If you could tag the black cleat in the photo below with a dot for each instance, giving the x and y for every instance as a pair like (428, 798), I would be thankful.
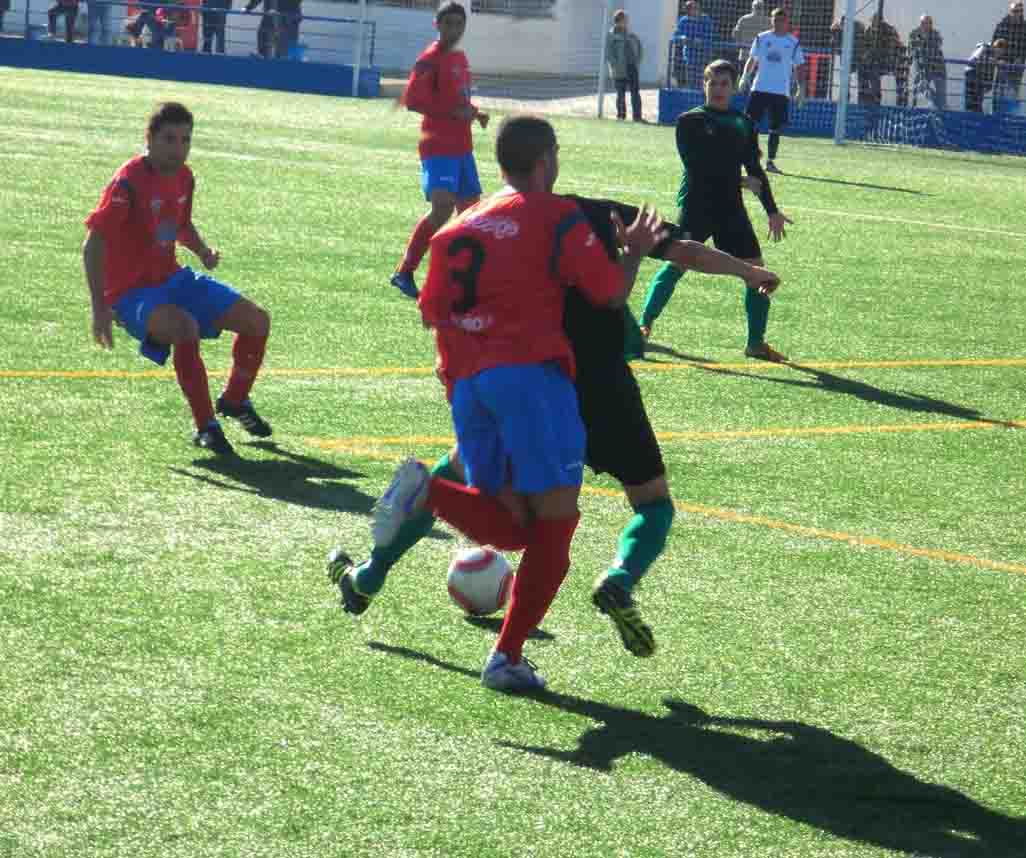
(246, 415)
(341, 573)
(611, 599)
(212, 438)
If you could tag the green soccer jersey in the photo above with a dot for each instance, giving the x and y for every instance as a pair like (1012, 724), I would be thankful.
(713, 146)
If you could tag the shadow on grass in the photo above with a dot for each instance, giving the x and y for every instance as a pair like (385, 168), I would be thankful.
(291, 478)
(866, 185)
(494, 624)
(832, 383)
(786, 768)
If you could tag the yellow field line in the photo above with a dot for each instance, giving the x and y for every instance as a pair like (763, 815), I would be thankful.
(354, 446)
(413, 442)
(642, 366)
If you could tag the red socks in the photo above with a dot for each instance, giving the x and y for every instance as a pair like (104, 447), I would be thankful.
(481, 517)
(543, 567)
(419, 243)
(247, 356)
(192, 379)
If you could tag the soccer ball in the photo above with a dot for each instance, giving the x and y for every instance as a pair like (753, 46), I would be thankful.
(480, 580)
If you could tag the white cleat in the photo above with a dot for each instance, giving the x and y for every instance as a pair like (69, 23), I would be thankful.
(402, 500)
(500, 674)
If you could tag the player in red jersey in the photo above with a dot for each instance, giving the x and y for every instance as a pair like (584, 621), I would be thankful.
(494, 295)
(439, 89)
(135, 280)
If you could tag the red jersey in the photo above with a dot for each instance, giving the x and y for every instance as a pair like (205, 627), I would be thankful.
(439, 85)
(140, 216)
(496, 281)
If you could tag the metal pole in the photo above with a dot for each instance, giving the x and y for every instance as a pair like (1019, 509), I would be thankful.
(602, 61)
(847, 52)
(358, 48)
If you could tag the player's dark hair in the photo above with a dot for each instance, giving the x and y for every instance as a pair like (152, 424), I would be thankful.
(168, 113)
(720, 67)
(450, 8)
(521, 142)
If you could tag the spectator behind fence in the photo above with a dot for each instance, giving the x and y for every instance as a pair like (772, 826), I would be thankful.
(98, 18)
(5, 6)
(987, 66)
(858, 46)
(693, 38)
(926, 49)
(162, 24)
(279, 27)
(267, 31)
(883, 54)
(623, 54)
(748, 27)
(215, 20)
(1012, 28)
(67, 8)
(290, 14)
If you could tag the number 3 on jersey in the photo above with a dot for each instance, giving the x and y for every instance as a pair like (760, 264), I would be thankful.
(467, 277)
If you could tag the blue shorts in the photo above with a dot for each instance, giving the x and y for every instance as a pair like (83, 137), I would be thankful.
(519, 424)
(202, 297)
(457, 175)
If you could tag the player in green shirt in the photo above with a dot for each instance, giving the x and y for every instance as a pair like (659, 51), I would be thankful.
(714, 142)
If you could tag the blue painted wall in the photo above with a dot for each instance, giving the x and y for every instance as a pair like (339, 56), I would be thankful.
(954, 129)
(318, 78)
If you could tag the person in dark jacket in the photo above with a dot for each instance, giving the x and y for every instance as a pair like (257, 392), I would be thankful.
(67, 8)
(5, 6)
(1012, 28)
(926, 48)
(214, 23)
(279, 26)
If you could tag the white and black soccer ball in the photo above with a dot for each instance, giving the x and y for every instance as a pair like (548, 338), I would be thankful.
(480, 581)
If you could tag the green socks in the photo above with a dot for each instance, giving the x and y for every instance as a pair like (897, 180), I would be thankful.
(660, 290)
(757, 307)
(641, 542)
(633, 342)
(370, 575)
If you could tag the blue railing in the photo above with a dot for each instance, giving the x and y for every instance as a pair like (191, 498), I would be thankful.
(271, 35)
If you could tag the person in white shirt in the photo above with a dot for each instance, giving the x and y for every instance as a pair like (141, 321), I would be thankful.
(774, 56)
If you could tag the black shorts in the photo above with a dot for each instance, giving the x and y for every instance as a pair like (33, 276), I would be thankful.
(621, 441)
(778, 106)
(731, 231)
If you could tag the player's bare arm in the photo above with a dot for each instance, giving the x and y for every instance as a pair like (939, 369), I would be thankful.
(93, 254)
(708, 260)
(189, 237)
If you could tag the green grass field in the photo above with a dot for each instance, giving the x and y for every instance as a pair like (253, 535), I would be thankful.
(840, 610)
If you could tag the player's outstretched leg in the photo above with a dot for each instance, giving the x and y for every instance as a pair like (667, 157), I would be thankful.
(359, 583)
(660, 290)
(641, 542)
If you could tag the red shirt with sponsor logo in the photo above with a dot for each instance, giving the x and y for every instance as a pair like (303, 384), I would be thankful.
(140, 216)
(495, 286)
(439, 85)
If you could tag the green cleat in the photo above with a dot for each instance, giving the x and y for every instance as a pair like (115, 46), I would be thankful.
(341, 573)
(611, 599)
